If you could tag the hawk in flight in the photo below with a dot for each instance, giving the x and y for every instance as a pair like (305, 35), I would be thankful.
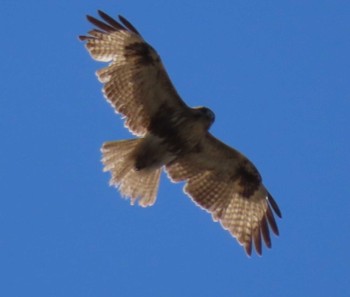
(174, 137)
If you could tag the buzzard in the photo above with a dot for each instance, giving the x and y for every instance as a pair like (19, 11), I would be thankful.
(174, 137)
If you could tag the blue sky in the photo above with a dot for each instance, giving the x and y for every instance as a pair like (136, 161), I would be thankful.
(276, 74)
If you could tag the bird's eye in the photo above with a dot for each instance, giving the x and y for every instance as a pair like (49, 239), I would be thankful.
(208, 113)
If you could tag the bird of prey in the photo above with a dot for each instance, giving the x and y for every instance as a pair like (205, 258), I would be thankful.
(173, 136)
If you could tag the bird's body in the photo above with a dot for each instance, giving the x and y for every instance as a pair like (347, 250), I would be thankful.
(172, 136)
(175, 137)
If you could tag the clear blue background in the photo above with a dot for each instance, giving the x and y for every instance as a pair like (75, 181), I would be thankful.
(277, 75)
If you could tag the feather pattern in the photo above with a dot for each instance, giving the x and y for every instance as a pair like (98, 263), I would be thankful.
(217, 177)
(213, 183)
(141, 185)
(135, 82)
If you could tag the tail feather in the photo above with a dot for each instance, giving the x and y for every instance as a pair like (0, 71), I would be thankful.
(139, 185)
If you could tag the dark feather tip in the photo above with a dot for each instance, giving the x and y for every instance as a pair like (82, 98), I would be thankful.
(271, 220)
(257, 241)
(274, 205)
(265, 232)
(128, 25)
(100, 24)
(83, 37)
(110, 20)
(248, 248)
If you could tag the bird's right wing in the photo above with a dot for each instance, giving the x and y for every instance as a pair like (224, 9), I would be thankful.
(135, 81)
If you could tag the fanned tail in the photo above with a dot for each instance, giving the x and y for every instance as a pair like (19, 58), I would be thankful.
(118, 158)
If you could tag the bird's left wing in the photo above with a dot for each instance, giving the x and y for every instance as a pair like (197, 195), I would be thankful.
(135, 81)
(225, 183)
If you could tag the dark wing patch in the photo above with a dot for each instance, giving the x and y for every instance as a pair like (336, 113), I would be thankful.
(249, 180)
(141, 53)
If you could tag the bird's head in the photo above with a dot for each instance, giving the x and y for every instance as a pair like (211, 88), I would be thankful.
(206, 115)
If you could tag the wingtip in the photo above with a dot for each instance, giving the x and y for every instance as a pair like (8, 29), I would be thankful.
(257, 241)
(128, 25)
(103, 15)
(264, 229)
(121, 18)
(89, 17)
(274, 205)
(271, 220)
(248, 248)
(82, 37)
